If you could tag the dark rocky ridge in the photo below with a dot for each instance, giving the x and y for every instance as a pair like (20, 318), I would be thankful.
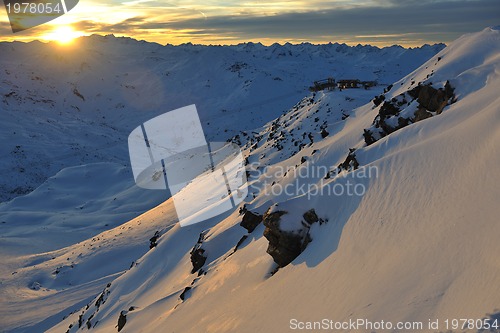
(392, 117)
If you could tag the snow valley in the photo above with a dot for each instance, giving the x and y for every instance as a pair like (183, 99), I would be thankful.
(416, 240)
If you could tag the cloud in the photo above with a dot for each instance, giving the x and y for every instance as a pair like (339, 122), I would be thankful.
(381, 22)
(446, 18)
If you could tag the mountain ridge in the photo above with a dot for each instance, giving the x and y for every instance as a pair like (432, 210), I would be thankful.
(415, 245)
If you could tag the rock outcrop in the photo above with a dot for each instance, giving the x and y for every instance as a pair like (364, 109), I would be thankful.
(153, 240)
(198, 257)
(419, 103)
(250, 221)
(122, 320)
(285, 246)
(350, 163)
(182, 296)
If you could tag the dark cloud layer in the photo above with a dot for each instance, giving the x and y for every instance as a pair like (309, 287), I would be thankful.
(406, 22)
(429, 20)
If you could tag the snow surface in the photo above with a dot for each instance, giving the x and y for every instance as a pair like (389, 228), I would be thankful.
(421, 243)
(67, 106)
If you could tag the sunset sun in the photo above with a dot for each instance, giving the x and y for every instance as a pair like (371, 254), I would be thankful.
(63, 35)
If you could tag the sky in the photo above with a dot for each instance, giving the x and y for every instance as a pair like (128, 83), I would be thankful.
(376, 22)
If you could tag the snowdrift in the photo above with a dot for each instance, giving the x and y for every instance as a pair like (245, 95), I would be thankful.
(417, 241)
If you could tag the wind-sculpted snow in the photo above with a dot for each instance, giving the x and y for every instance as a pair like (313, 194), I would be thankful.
(66, 106)
(402, 230)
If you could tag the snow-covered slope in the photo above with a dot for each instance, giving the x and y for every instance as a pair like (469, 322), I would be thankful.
(419, 242)
(66, 106)
(65, 115)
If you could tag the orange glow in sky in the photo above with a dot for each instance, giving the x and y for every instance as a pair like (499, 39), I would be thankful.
(63, 35)
(231, 22)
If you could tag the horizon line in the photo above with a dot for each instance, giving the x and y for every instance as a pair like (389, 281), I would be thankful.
(262, 43)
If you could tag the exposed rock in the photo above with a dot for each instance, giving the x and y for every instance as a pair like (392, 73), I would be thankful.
(89, 323)
(183, 294)
(324, 133)
(431, 101)
(243, 209)
(122, 320)
(153, 240)
(272, 220)
(311, 137)
(250, 221)
(449, 90)
(378, 100)
(350, 163)
(388, 109)
(368, 135)
(242, 239)
(100, 300)
(422, 114)
(402, 122)
(285, 246)
(197, 259)
(310, 216)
